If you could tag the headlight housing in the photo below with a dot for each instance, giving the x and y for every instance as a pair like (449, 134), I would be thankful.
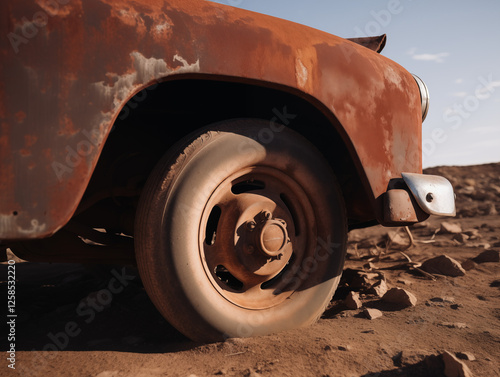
(424, 96)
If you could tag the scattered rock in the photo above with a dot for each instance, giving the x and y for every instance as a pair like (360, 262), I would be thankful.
(443, 265)
(480, 245)
(454, 367)
(461, 237)
(450, 228)
(379, 289)
(404, 282)
(251, 373)
(397, 241)
(400, 296)
(352, 301)
(454, 325)
(440, 301)
(488, 256)
(221, 372)
(345, 348)
(468, 265)
(372, 313)
(466, 356)
(368, 332)
(470, 182)
(473, 234)
(355, 279)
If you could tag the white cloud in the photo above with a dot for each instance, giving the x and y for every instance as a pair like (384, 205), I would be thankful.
(438, 58)
(459, 81)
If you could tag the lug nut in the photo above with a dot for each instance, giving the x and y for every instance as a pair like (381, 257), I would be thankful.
(268, 215)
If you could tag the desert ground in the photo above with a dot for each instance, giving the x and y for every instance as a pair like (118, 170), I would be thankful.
(440, 317)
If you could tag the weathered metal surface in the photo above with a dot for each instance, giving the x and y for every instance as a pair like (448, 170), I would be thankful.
(434, 194)
(401, 209)
(376, 44)
(68, 67)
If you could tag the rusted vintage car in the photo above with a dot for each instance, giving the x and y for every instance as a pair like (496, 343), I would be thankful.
(225, 153)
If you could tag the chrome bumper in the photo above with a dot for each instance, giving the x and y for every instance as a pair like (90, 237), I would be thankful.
(434, 194)
(416, 196)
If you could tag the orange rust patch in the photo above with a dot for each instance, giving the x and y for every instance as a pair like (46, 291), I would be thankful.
(68, 127)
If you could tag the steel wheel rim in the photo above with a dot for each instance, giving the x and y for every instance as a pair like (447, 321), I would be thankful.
(265, 228)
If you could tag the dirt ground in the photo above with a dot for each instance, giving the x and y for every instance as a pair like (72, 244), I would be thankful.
(61, 330)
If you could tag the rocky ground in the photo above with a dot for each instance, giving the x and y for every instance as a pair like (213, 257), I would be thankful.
(423, 302)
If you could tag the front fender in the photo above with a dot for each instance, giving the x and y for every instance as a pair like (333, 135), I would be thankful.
(68, 68)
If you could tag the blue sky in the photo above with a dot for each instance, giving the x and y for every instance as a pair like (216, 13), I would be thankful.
(454, 46)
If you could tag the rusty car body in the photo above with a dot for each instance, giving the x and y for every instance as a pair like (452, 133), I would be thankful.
(93, 93)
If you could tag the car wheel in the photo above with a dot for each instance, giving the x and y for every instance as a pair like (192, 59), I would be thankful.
(241, 231)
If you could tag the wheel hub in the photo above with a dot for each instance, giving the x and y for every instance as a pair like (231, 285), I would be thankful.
(270, 235)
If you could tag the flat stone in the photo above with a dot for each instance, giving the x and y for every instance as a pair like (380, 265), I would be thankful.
(379, 289)
(443, 265)
(488, 256)
(372, 313)
(400, 296)
(454, 325)
(453, 367)
(444, 299)
(450, 228)
(352, 301)
(345, 348)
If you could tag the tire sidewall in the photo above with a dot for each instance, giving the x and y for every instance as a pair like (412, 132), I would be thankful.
(173, 253)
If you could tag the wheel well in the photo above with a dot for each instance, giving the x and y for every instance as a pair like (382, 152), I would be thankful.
(157, 117)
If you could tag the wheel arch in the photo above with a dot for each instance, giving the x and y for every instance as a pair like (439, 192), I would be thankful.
(176, 106)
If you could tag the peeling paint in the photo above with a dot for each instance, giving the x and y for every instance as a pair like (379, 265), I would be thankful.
(146, 71)
(8, 223)
(301, 73)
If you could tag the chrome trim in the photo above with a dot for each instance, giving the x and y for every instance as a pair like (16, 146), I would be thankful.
(424, 96)
(434, 194)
